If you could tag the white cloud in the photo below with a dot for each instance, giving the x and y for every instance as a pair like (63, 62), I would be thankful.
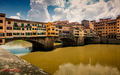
(15, 17)
(73, 10)
(79, 10)
(39, 11)
(18, 15)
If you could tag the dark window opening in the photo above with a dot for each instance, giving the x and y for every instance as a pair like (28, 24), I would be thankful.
(9, 34)
(1, 34)
(9, 28)
(22, 25)
(9, 22)
(15, 25)
(1, 21)
(1, 27)
(0, 40)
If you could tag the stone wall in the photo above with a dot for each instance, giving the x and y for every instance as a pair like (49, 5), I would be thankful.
(13, 65)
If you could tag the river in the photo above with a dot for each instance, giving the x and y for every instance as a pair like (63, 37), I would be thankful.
(94, 59)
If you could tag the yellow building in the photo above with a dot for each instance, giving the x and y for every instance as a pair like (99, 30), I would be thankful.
(15, 28)
(78, 32)
(52, 29)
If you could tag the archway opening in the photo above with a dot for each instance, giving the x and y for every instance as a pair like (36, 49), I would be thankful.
(37, 46)
(67, 42)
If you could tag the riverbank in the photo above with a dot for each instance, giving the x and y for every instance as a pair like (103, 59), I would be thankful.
(13, 65)
(105, 55)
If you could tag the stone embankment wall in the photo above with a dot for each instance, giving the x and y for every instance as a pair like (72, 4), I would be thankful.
(13, 65)
(101, 41)
(110, 41)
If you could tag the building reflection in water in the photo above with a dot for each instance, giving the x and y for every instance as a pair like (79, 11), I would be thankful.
(81, 69)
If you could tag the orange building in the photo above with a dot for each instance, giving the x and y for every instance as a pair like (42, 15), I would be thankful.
(118, 27)
(2, 28)
(107, 28)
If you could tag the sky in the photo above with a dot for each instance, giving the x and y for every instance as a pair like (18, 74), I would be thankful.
(53, 10)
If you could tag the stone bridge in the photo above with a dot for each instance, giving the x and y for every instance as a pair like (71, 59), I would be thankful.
(92, 40)
(47, 43)
(71, 40)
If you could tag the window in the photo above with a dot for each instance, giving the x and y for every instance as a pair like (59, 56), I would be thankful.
(1, 27)
(60, 27)
(14, 34)
(1, 21)
(28, 24)
(18, 28)
(48, 33)
(53, 29)
(15, 25)
(9, 28)
(9, 34)
(22, 25)
(9, 22)
(1, 34)
(15, 28)
(34, 33)
(0, 40)
(18, 33)
(22, 33)
(23, 28)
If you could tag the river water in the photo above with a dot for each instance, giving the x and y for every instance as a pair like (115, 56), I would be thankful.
(94, 59)
(17, 50)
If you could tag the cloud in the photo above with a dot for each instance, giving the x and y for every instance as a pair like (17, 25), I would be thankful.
(73, 10)
(89, 9)
(39, 11)
(18, 15)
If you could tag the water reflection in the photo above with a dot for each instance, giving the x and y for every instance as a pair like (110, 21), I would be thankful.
(20, 51)
(17, 50)
(81, 69)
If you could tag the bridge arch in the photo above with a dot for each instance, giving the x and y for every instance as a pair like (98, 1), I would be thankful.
(38, 43)
(68, 41)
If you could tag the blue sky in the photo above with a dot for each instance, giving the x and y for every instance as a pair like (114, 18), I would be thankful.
(11, 7)
(51, 10)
